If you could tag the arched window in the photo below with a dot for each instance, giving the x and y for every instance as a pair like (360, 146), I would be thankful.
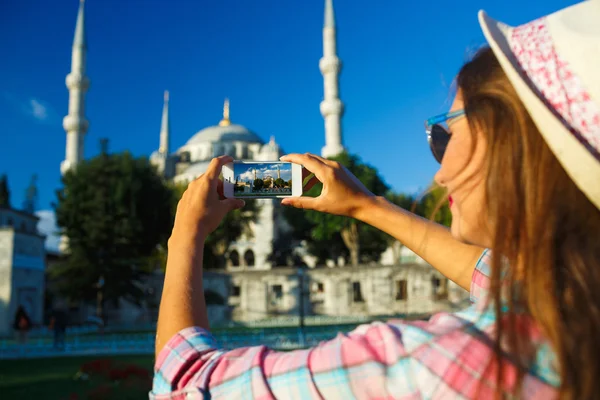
(401, 289)
(230, 150)
(357, 296)
(249, 258)
(234, 258)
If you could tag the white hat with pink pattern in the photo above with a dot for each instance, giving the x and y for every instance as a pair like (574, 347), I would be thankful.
(554, 65)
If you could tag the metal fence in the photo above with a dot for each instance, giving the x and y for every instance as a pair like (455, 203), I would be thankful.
(143, 343)
(272, 322)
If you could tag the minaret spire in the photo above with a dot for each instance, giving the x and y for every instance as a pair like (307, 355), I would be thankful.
(162, 159)
(225, 121)
(330, 65)
(164, 127)
(78, 83)
(329, 15)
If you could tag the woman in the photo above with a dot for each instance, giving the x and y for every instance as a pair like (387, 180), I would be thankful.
(520, 157)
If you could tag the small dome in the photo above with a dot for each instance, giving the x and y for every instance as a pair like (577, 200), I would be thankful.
(225, 133)
(193, 171)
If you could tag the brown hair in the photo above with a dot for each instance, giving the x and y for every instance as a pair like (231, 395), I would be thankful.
(543, 227)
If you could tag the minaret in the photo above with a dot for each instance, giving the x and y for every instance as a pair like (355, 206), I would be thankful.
(278, 173)
(75, 123)
(163, 150)
(332, 108)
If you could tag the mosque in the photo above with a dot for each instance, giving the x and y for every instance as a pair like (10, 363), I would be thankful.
(254, 289)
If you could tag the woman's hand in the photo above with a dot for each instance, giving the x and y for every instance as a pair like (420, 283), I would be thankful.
(342, 194)
(202, 206)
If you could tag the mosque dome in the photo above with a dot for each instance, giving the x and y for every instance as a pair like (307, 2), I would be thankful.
(225, 132)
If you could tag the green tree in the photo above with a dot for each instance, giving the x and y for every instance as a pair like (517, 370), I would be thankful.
(258, 184)
(433, 205)
(4, 192)
(362, 243)
(115, 211)
(280, 183)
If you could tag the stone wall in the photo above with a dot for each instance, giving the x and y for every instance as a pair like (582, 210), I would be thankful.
(6, 254)
(342, 291)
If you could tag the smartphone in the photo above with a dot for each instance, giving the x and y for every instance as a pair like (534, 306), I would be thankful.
(262, 179)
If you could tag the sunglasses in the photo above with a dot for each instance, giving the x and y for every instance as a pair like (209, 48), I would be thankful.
(438, 135)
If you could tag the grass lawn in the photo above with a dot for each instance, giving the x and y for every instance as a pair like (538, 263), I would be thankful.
(52, 378)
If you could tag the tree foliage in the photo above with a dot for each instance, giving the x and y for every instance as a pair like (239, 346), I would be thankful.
(433, 205)
(115, 210)
(258, 184)
(280, 183)
(331, 236)
(4, 192)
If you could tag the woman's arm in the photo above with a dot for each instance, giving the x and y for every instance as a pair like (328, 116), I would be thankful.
(343, 194)
(182, 304)
(431, 241)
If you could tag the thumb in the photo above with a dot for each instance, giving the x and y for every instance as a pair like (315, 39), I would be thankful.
(233, 204)
(308, 203)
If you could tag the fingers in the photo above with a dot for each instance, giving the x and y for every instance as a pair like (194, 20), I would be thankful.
(325, 161)
(307, 203)
(214, 168)
(309, 161)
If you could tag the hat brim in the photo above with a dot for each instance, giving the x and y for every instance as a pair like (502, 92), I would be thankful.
(576, 159)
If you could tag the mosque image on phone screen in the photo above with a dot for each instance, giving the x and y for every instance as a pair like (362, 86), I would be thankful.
(261, 180)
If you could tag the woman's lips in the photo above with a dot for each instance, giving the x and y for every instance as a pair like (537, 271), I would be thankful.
(450, 200)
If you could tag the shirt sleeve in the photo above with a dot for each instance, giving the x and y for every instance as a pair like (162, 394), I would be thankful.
(480, 282)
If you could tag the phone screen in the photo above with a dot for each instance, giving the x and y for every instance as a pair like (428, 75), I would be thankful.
(262, 179)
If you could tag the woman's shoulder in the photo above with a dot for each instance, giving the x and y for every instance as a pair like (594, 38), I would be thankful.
(464, 342)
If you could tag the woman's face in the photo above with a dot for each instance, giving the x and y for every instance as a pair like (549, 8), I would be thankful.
(462, 173)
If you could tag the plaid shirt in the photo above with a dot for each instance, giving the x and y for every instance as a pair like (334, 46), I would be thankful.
(446, 357)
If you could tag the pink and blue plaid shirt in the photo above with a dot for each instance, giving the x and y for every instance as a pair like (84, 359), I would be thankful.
(446, 357)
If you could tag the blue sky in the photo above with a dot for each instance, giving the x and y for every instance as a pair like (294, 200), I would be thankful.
(399, 59)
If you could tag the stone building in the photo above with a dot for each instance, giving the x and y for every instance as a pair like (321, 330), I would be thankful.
(22, 267)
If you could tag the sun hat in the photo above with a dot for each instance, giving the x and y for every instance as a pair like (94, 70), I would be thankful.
(554, 65)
